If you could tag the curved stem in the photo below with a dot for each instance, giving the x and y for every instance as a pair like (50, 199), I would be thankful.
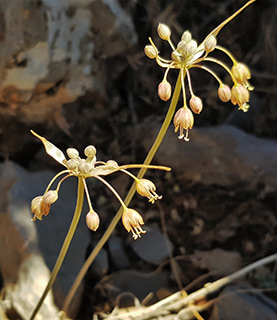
(53, 179)
(67, 241)
(129, 196)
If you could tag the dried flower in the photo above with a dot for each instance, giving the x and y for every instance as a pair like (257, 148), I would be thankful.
(92, 220)
(39, 208)
(183, 120)
(132, 221)
(146, 188)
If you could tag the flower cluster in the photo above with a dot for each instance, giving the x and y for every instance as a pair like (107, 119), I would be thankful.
(91, 168)
(187, 55)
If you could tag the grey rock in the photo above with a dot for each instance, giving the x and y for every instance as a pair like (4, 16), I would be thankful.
(117, 253)
(100, 265)
(138, 283)
(32, 280)
(153, 246)
(243, 305)
(222, 155)
(21, 238)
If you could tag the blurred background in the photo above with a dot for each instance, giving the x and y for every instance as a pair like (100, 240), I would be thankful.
(76, 73)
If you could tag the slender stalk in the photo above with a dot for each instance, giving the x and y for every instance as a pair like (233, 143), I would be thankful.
(67, 241)
(129, 196)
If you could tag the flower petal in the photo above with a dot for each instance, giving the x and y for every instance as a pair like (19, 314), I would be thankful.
(52, 150)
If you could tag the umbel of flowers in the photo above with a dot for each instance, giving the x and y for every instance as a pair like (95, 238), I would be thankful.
(89, 167)
(188, 55)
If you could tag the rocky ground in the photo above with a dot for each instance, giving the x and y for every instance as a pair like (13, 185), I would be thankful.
(218, 211)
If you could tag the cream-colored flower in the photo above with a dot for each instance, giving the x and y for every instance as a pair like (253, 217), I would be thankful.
(132, 221)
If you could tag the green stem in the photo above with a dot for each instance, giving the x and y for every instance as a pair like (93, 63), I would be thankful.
(129, 196)
(67, 241)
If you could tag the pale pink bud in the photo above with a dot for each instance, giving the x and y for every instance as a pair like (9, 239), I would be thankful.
(224, 93)
(164, 90)
(92, 220)
(50, 196)
(196, 104)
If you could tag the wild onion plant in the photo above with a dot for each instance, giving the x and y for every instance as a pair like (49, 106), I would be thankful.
(184, 57)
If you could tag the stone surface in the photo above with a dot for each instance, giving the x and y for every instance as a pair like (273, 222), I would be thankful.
(153, 246)
(217, 260)
(222, 155)
(21, 238)
(32, 280)
(47, 58)
(243, 305)
(117, 253)
(138, 283)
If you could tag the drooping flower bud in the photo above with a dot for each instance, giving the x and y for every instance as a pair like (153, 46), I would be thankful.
(186, 36)
(196, 104)
(92, 220)
(210, 43)
(241, 72)
(164, 90)
(50, 196)
(163, 31)
(150, 51)
(239, 95)
(224, 93)
(72, 153)
(183, 120)
(132, 221)
(146, 188)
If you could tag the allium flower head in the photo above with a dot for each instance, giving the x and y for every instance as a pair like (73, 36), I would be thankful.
(89, 167)
(188, 54)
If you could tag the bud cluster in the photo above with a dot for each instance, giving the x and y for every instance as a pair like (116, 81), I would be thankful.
(187, 55)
